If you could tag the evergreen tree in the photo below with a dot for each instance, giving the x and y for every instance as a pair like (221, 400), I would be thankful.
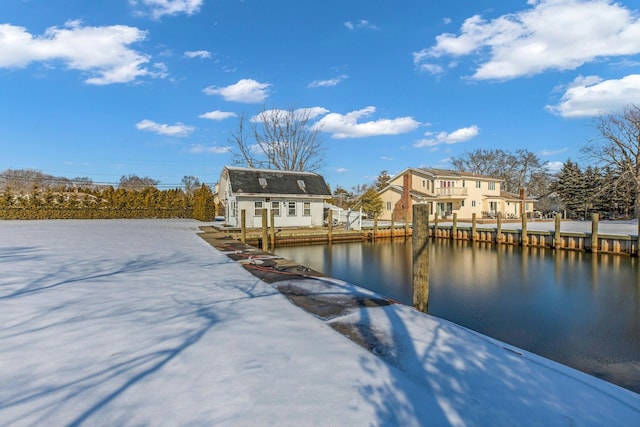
(203, 204)
(570, 187)
(382, 180)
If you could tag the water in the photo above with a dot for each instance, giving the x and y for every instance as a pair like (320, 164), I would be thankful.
(579, 309)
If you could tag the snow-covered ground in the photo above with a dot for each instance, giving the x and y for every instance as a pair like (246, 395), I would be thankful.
(127, 322)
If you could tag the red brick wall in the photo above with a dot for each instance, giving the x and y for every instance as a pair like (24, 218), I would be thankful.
(402, 211)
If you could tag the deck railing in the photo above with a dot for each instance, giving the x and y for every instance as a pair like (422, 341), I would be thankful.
(451, 191)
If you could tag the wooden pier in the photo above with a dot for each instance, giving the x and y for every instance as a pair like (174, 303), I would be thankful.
(495, 233)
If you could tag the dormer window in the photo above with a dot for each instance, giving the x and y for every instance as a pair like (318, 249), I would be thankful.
(263, 182)
(301, 184)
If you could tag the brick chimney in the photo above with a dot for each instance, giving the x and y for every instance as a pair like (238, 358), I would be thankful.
(403, 210)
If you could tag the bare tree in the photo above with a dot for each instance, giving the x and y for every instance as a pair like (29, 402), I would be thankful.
(22, 179)
(618, 147)
(515, 169)
(278, 139)
(190, 184)
(134, 182)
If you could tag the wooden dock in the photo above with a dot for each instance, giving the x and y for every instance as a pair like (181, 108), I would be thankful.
(492, 233)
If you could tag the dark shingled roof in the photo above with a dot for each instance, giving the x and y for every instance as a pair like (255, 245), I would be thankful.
(244, 180)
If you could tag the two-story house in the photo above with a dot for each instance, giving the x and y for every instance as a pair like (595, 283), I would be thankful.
(449, 191)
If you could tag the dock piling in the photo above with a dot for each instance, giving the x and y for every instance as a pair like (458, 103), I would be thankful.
(273, 228)
(243, 226)
(420, 255)
(594, 232)
(454, 227)
(265, 231)
(473, 227)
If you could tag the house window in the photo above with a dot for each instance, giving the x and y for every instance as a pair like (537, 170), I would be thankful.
(473, 203)
(462, 204)
(257, 208)
(388, 206)
(233, 209)
(492, 186)
(275, 208)
(464, 183)
(424, 183)
(306, 209)
(477, 184)
(291, 208)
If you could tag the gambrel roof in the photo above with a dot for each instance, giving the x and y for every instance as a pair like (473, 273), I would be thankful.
(275, 182)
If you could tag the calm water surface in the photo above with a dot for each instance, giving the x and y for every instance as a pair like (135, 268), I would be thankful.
(576, 308)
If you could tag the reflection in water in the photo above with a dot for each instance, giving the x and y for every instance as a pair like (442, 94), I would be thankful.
(579, 309)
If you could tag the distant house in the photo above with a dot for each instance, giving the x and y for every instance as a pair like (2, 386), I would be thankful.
(295, 198)
(449, 192)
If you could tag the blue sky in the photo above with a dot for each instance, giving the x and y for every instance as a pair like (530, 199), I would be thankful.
(106, 88)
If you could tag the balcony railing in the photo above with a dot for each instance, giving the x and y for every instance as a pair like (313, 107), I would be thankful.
(451, 191)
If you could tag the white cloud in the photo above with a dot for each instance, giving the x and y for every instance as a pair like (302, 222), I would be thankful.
(328, 83)
(217, 115)
(554, 167)
(546, 153)
(347, 126)
(342, 170)
(362, 24)
(197, 54)
(591, 96)
(102, 52)
(245, 90)
(309, 113)
(551, 34)
(386, 158)
(159, 8)
(215, 149)
(178, 129)
(460, 135)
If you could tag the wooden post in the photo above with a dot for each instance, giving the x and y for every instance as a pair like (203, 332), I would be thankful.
(524, 240)
(392, 226)
(273, 228)
(330, 225)
(594, 232)
(454, 227)
(638, 239)
(473, 227)
(265, 231)
(406, 227)
(557, 239)
(375, 227)
(499, 228)
(243, 226)
(420, 255)
(435, 226)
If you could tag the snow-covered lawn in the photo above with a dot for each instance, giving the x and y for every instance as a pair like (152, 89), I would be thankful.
(125, 322)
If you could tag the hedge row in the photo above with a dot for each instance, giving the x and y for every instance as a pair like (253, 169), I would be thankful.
(92, 213)
(109, 204)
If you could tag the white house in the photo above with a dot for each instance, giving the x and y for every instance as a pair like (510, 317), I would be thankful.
(295, 198)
